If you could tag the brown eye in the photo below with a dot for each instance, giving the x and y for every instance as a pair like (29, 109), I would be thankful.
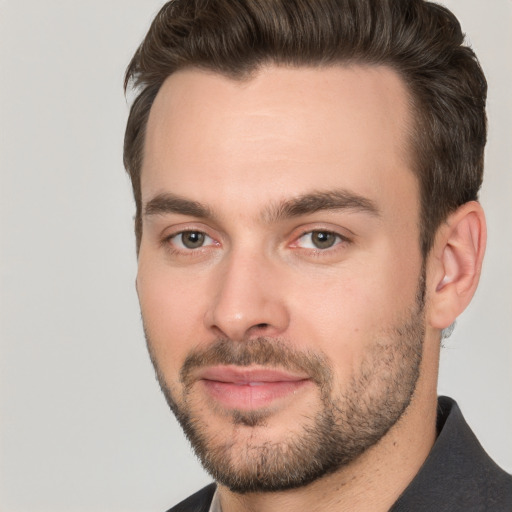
(192, 239)
(323, 239)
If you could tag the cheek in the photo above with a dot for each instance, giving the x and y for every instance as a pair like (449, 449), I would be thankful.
(173, 315)
(347, 311)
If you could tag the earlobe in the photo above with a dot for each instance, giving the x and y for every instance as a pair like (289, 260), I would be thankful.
(456, 263)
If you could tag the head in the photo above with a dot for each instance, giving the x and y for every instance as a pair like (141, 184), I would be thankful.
(304, 176)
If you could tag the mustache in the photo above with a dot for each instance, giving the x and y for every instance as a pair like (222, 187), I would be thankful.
(264, 351)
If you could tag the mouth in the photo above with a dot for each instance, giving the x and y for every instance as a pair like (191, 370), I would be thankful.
(250, 388)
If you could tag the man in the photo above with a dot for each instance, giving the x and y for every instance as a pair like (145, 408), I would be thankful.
(306, 178)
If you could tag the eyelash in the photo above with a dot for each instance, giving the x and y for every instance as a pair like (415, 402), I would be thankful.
(340, 240)
(168, 244)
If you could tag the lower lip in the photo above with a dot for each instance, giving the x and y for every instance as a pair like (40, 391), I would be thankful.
(250, 397)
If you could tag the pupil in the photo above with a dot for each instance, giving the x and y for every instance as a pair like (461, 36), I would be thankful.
(323, 239)
(193, 239)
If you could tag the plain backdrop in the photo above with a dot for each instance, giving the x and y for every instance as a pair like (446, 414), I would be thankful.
(83, 426)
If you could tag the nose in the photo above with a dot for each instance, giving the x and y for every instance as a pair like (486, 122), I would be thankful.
(249, 299)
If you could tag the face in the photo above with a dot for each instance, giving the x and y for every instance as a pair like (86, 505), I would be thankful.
(280, 276)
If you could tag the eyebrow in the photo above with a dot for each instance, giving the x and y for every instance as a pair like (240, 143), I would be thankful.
(295, 207)
(319, 201)
(171, 203)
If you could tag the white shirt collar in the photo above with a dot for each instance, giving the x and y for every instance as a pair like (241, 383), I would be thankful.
(215, 504)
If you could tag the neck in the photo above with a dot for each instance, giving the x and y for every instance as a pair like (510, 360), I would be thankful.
(374, 481)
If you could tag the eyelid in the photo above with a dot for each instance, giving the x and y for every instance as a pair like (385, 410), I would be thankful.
(170, 235)
(182, 247)
(339, 239)
(344, 235)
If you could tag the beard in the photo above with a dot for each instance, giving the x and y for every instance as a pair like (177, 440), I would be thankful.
(344, 426)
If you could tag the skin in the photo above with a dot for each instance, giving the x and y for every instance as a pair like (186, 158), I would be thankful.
(241, 150)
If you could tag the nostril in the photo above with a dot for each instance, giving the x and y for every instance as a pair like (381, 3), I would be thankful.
(261, 326)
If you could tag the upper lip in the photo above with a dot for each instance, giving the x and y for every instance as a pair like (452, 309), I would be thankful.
(245, 375)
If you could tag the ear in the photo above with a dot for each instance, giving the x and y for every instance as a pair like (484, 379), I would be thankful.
(455, 264)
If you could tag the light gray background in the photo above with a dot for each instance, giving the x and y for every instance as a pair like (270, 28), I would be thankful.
(83, 424)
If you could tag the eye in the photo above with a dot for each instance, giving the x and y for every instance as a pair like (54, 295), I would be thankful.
(319, 240)
(191, 240)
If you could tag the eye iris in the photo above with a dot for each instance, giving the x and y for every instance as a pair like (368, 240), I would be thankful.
(323, 239)
(192, 239)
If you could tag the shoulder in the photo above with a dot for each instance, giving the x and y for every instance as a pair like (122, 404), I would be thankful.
(198, 502)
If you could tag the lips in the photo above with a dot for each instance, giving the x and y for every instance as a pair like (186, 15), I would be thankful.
(249, 388)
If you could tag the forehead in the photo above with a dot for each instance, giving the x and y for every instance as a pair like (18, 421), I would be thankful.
(284, 131)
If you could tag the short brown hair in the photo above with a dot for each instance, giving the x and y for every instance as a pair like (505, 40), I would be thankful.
(422, 41)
